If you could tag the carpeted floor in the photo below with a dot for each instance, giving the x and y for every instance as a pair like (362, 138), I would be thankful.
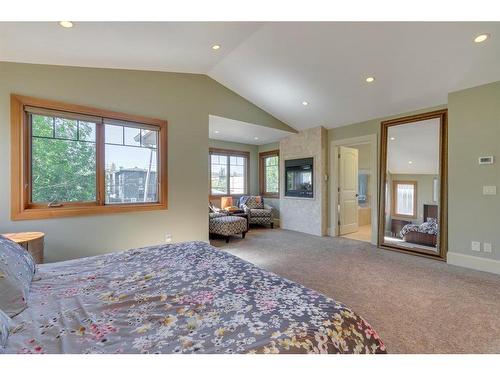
(417, 305)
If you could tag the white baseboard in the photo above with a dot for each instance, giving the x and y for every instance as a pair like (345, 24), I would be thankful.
(476, 263)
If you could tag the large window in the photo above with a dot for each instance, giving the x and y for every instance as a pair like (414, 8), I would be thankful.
(269, 173)
(228, 172)
(71, 160)
(404, 199)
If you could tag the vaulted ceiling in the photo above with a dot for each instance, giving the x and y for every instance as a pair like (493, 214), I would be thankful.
(280, 65)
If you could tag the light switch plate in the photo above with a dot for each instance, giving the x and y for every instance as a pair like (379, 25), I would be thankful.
(489, 190)
(475, 246)
(487, 247)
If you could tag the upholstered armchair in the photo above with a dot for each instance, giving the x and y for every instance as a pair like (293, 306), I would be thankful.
(258, 212)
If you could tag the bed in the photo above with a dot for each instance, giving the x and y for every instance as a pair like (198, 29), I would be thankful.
(425, 233)
(180, 298)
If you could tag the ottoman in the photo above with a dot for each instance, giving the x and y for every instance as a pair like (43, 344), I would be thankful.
(227, 226)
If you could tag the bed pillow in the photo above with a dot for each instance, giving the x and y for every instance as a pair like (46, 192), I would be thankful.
(16, 273)
(5, 323)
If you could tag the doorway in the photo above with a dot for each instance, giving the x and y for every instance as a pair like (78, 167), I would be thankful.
(354, 188)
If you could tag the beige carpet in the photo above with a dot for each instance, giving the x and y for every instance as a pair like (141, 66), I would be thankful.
(417, 305)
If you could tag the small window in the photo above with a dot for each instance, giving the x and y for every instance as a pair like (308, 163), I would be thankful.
(228, 172)
(269, 173)
(405, 199)
(77, 160)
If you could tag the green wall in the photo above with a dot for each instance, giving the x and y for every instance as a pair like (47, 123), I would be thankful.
(474, 131)
(185, 100)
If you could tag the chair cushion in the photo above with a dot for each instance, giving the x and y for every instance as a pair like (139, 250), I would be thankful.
(228, 225)
(213, 215)
(254, 202)
(261, 212)
(16, 273)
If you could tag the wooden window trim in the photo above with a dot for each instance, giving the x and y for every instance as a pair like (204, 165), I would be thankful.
(262, 169)
(395, 184)
(227, 152)
(20, 156)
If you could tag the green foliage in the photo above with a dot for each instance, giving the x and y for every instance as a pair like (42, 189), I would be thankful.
(272, 174)
(63, 169)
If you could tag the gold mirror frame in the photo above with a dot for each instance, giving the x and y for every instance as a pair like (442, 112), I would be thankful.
(443, 175)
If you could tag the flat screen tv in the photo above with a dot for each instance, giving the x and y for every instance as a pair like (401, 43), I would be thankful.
(299, 178)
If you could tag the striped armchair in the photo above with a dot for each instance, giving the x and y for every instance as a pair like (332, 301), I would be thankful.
(258, 212)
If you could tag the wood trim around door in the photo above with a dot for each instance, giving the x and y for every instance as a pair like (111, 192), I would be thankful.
(443, 174)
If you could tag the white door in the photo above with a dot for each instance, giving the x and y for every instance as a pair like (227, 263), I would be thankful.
(348, 190)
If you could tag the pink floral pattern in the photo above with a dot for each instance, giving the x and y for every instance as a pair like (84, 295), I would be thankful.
(181, 298)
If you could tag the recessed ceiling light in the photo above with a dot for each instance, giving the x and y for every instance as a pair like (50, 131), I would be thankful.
(410, 162)
(305, 103)
(370, 79)
(216, 132)
(393, 139)
(66, 24)
(256, 138)
(481, 38)
(215, 47)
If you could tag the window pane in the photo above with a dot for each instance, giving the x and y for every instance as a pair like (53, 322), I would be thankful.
(131, 174)
(271, 160)
(66, 129)
(404, 199)
(132, 136)
(114, 134)
(62, 170)
(237, 179)
(218, 174)
(271, 177)
(149, 138)
(42, 126)
(86, 131)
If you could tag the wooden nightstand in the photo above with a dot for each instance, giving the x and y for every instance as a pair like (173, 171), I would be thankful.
(31, 241)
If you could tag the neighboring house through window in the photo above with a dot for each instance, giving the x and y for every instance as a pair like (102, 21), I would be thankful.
(269, 173)
(405, 199)
(79, 160)
(228, 172)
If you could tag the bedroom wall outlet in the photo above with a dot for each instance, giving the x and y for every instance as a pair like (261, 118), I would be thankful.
(168, 238)
(489, 190)
(487, 247)
(475, 246)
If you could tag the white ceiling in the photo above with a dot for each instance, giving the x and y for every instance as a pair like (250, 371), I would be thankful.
(417, 142)
(161, 46)
(225, 129)
(277, 65)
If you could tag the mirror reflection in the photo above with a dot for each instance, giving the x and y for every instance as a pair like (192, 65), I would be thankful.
(412, 186)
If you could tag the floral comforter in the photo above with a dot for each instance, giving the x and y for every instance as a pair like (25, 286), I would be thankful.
(182, 298)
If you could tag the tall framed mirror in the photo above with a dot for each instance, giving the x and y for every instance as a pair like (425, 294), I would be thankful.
(413, 185)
